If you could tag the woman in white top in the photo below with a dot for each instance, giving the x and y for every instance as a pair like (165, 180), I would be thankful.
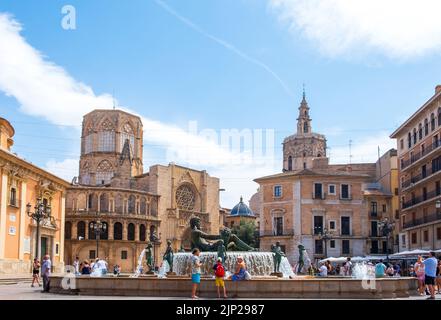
(421, 274)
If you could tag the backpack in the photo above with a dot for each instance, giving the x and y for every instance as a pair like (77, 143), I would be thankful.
(220, 271)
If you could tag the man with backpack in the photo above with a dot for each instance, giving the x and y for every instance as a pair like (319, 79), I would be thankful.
(219, 272)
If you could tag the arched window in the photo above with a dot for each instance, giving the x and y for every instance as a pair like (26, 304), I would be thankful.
(106, 137)
(153, 235)
(81, 230)
(289, 163)
(117, 231)
(105, 234)
(414, 136)
(88, 141)
(432, 122)
(409, 140)
(104, 203)
(68, 230)
(143, 209)
(439, 117)
(426, 127)
(85, 174)
(131, 232)
(104, 172)
(92, 235)
(420, 131)
(92, 202)
(142, 233)
(305, 127)
(119, 204)
(127, 133)
(132, 204)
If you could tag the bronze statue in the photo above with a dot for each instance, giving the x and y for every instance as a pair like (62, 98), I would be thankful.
(226, 238)
(149, 258)
(277, 257)
(168, 255)
(301, 263)
(222, 252)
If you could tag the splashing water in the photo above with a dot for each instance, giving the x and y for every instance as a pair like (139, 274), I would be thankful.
(258, 263)
(165, 267)
(138, 270)
(363, 270)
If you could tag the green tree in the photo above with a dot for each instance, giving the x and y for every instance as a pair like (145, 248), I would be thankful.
(246, 231)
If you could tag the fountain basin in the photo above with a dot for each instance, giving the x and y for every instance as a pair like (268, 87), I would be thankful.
(266, 287)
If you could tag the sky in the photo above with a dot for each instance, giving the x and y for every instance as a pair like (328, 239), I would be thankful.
(197, 70)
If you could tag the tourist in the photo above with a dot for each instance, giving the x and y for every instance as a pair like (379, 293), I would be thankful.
(380, 269)
(431, 265)
(241, 270)
(323, 270)
(420, 271)
(330, 267)
(116, 270)
(390, 270)
(438, 276)
(348, 267)
(36, 272)
(397, 270)
(86, 269)
(46, 272)
(337, 270)
(195, 272)
(411, 271)
(76, 265)
(219, 272)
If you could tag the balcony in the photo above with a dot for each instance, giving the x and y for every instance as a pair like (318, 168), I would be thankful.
(414, 180)
(285, 233)
(427, 219)
(420, 155)
(317, 196)
(420, 199)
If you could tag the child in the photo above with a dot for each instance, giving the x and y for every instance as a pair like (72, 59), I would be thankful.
(195, 272)
(219, 272)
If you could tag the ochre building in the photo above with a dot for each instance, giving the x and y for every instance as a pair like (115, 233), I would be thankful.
(23, 183)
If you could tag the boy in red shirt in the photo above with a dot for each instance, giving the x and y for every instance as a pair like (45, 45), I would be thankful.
(219, 272)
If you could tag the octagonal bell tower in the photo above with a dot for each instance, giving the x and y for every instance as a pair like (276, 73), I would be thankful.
(300, 149)
(111, 146)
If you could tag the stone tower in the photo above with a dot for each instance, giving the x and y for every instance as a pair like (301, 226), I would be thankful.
(300, 149)
(111, 146)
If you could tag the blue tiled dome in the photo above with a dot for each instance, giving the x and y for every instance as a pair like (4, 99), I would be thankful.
(241, 209)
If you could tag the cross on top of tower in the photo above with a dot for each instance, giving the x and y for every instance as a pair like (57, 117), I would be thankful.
(304, 121)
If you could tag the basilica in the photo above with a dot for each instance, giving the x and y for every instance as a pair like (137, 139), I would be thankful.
(114, 208)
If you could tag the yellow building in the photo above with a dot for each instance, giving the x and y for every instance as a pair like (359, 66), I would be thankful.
(23, 183)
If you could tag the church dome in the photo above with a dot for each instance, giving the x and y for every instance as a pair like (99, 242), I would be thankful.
(241, 209)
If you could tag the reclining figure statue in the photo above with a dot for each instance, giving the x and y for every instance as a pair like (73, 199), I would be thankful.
(227, 238)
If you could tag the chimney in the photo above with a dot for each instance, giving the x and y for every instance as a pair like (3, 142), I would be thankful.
(438, 89)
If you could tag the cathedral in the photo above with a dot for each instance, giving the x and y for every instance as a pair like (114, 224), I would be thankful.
(131, 207)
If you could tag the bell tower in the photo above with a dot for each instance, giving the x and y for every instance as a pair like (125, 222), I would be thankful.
(300, 149)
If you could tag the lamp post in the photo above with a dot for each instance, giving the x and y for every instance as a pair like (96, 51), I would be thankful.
(98, 228)
(386, 230)
(325, 235)
(41, 212)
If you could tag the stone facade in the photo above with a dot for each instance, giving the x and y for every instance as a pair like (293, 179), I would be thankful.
(136, 207)
(23, 183)
(419, 154)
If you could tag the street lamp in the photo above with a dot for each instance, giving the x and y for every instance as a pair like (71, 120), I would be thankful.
(98, 228)
(325, 235)
(41, 212)
(386, 228)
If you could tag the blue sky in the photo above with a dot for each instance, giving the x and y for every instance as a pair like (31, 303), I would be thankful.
(359, 88)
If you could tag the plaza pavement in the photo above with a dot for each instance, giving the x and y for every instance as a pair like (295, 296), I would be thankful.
(24, 291)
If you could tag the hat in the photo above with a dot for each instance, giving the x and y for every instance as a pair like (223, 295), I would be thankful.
(219, 259)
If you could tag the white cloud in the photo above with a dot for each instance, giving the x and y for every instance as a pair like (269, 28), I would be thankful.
(65, 169)
(399, 29)
(46, 90)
